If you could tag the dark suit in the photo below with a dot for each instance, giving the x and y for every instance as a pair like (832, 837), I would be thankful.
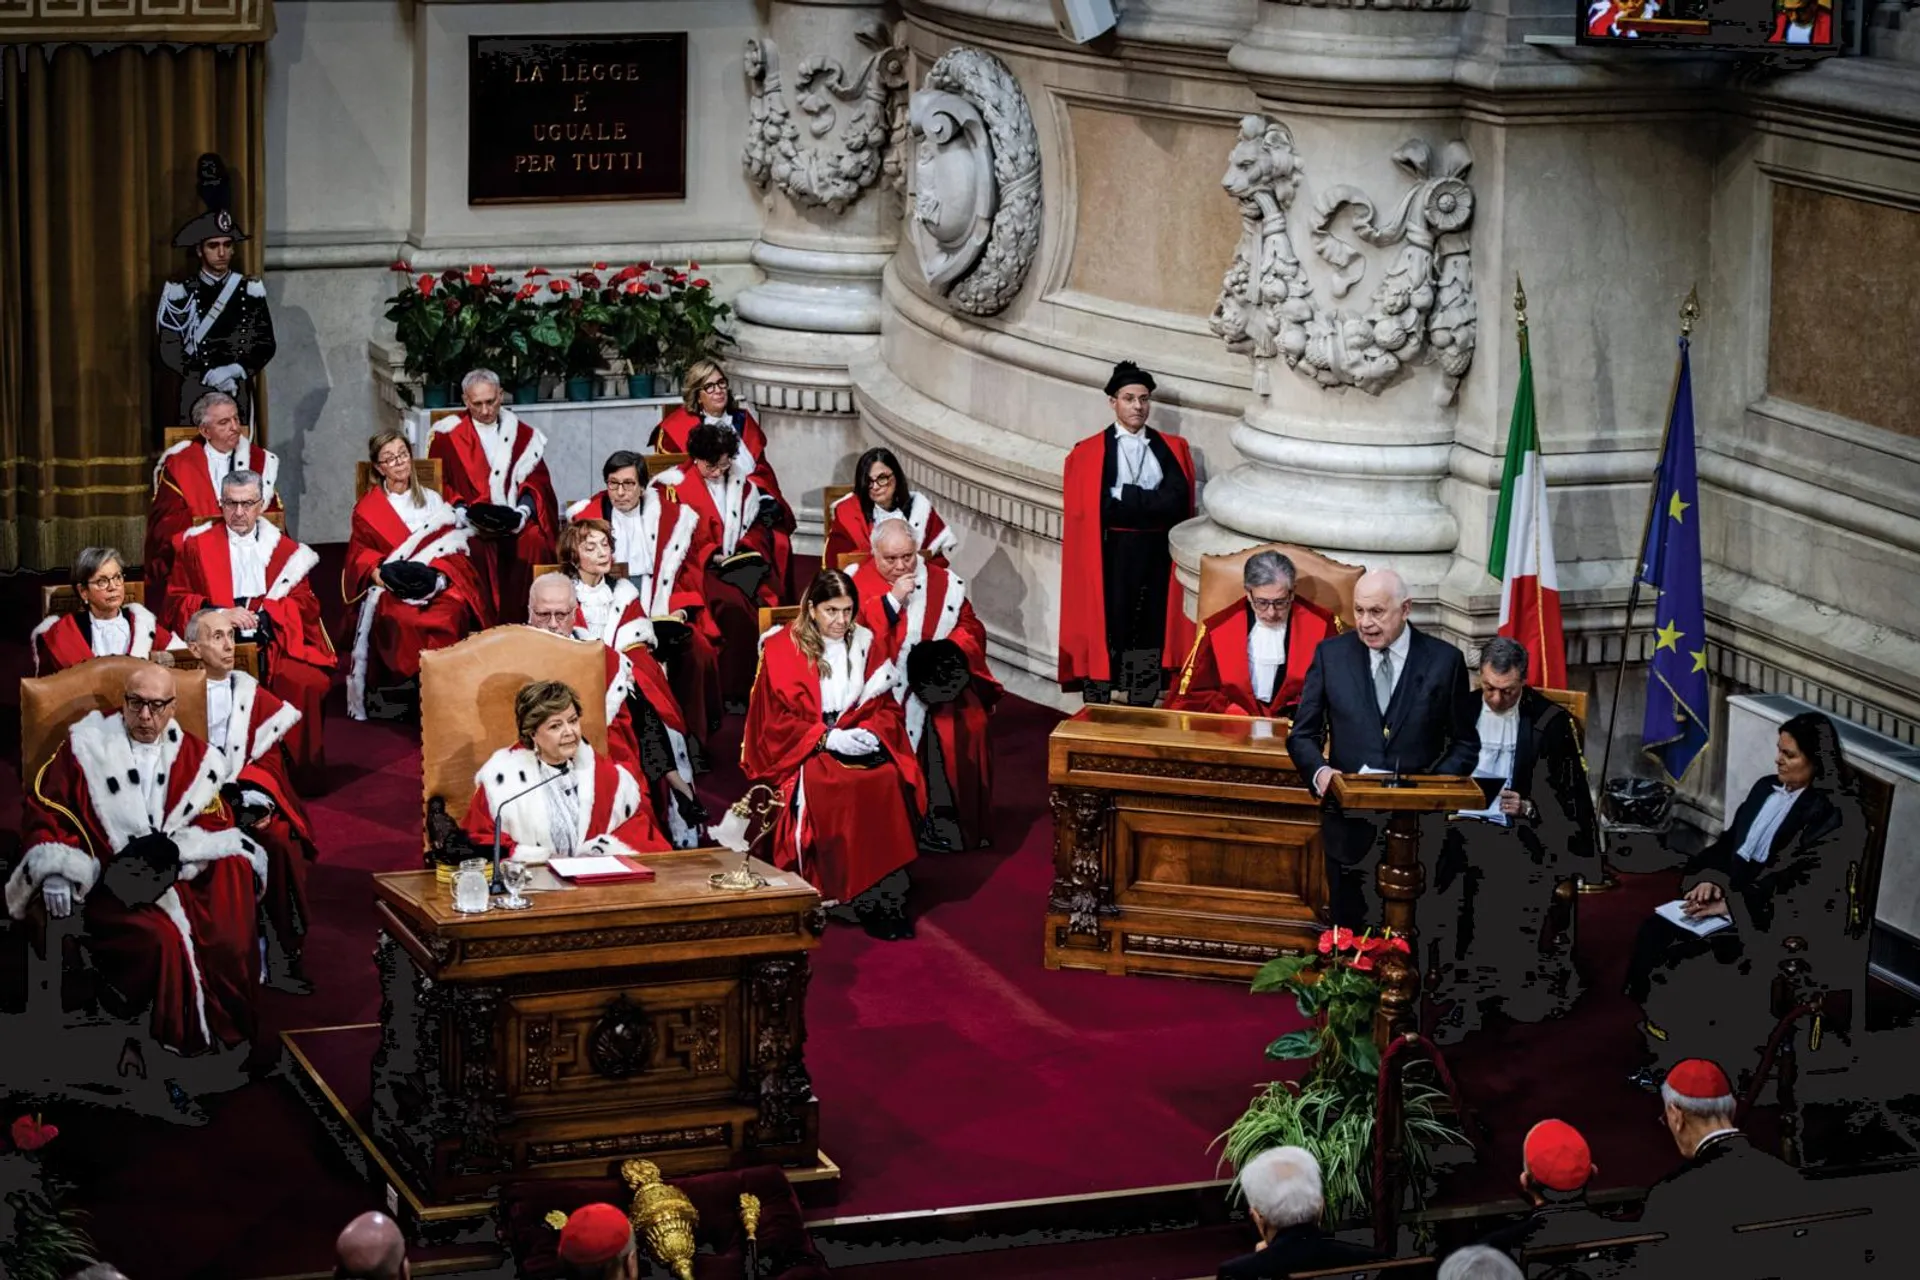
(1429, 727)
(1302, 1248)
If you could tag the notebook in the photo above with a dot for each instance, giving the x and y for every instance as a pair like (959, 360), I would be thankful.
(1698, 927)
(601, 869)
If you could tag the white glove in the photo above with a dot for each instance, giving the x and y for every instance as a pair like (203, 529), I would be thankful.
(525, 508)
(852, 742)
(225, 378)
(256, 799)
(57, 892)
(460, 517)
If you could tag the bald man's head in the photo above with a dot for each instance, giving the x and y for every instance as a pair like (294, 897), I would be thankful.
(371, 1248)
(148, 702)
(1381, 604)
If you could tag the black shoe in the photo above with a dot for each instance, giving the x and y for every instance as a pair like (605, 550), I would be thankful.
(1646, 1078)
(887, 928)
(290, 976)
(939, 834)
(1097, 691)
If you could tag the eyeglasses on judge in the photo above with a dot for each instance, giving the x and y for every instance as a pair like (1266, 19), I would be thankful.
(140, 706)
(1278, 604)
(239, 504)
(880, 479)
(713, 384)
(106, 581)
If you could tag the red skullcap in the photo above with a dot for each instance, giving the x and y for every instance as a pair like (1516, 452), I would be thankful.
(594, 1233)
(1700, 1080)
(1557, 1156)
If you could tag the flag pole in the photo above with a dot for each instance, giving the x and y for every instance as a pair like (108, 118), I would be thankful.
(1689, 313)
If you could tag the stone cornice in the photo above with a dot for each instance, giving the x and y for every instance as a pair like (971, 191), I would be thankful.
(136, 21)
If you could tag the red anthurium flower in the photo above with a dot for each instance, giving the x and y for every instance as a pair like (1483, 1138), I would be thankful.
(30, 1133)
(633, 286)
(450, 276)
(643, 266)
(476, 276)
(599, 266)
(527, 291)
(402, 266)
(590, 280)
(700, 284)
(1397, 944)
(538, 271)
(487, 267)
(424, 284)
(1363, 963)
(693, 266)
(558, 286)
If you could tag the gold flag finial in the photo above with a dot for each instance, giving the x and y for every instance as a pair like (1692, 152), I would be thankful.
(1689, 311)
(1519, 300)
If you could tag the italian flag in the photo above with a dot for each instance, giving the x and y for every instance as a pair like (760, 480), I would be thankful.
(1521, 555)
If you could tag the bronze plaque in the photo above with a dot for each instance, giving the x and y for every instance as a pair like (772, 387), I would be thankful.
(576, 118)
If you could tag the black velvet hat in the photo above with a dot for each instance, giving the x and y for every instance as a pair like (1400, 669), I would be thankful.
(1128, 374)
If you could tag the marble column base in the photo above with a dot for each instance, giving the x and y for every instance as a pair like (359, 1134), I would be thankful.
(798, 387)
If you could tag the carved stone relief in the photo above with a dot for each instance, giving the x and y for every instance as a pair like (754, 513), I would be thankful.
(975, 221)
(1422, 311)
(816, 169)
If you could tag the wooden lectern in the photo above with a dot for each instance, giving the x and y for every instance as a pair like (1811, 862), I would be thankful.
(1399, 876)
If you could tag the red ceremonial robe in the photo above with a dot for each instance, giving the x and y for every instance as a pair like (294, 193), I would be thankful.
(1083, 610)
(184, 495)
(66, 639)
(938, 609)
(845, 829)
(252, 757)
(397, 631)
(613, 816)
(671, 437)
(628, 633)
(300, 657)
(849, 530)
(505, 564)
(684, 569)
(657, 565)
(1217, 676)
(192, 956)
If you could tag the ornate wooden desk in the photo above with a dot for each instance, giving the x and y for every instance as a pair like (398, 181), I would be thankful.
(1184, 844)
(664, 1020)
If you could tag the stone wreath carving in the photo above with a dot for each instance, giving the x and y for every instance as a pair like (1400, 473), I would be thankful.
(975, 220)
(830, 175)
(1422, 311)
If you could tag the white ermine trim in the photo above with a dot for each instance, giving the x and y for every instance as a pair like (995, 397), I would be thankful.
(169, 903)
(49, 859)
(47, 624)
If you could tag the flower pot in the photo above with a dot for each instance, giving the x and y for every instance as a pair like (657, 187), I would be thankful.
(527, 392)
(663, 384)
(639, 386)
(434, 395)
(580, 388)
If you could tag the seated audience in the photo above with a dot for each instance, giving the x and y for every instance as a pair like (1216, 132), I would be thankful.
(708, 399)
(127, 823)
(593, 806)
(619, 503)
(597, 1244)
(880, 490)
(245, 726)
(1282, 1186)
(722, 558)
(1479, 1262)
(1556, 1167)
(106, 625)
(921, 617)
(409, 570)
(494, 467)
(1251, 658)
(1504, 887)
(826, 734)
(259, 575)
(371, 1247)
(186, 484)
(1781, 873)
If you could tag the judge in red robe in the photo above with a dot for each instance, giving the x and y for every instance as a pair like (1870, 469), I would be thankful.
(249, 567)
(589, 805)
(105, 625)
(825, 734)
(621, 504)
(134, 785)
(917, 608)
(393, 618)
(552, 607)
(709, 399)
(186, 484)
(494, 465)
(246, 726)
(1251, 658)
(880, 489)
(1802, 22)
(698, 561)
(1122, 616)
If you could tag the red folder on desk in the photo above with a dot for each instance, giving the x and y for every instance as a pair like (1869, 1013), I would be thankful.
(602, 869)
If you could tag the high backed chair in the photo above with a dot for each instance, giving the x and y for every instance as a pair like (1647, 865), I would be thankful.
(50, 705)
(426, 469)
(174, 435)
(278, 519)
(466, 702)
(848, 559)
(619, 569)
(246, 657)
(65, 599)
(1318, 580)
(1575, 702)
(436, 416)
(658, 462)
(830, 494)
(778, 615)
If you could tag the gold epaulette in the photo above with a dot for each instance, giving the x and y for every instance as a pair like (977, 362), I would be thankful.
(1186, 669)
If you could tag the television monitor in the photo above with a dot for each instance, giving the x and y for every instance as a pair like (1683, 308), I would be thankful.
(1768, 26)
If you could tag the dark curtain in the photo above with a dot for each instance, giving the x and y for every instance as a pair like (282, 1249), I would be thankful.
(98, 146)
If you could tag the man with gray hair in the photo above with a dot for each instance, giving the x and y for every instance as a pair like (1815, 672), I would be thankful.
(1284, 1199)
(493, 467)
(1251, 658)
(1392, 699)
(186, 483)
(106, 625)
(1479, 1262)
(259, 576)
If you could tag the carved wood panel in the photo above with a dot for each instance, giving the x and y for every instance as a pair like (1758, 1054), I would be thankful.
(680, 1034)
(1216, 862)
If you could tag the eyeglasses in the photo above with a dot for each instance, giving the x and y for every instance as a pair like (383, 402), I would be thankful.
(880, 479)
(389, 459)
(714, 384)
(622, 485)
(107, 581)
(147, 706)
(239, 504)
(552, 615)
(1279, 604)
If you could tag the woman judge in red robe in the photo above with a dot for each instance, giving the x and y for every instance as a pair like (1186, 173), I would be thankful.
(409, 573)
(826, 735)
(879, 490)
(707, 397)
(589, 805)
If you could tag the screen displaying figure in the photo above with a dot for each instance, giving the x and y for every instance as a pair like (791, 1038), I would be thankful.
(1782, 26)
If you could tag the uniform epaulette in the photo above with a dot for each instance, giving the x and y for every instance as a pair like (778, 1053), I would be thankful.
(175, 291)
(256, 288)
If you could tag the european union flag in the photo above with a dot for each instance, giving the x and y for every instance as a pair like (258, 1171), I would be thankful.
(1677, 714)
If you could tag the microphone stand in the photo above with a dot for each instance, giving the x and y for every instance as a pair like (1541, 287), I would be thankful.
(498, 885)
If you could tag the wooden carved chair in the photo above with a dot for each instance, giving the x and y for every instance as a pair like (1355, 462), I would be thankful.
(1575, 702)
(778, 615)
(426, 470)
(619, 569)
(466, 705)
(246, 657)
(829, 495)
(65, 599)
(278, 519)
(848, 559)
(658, 462)
(174, 435)
(1318, 580)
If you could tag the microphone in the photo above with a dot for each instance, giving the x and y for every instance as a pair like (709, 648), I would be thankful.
(499, 886)
(1396, 781)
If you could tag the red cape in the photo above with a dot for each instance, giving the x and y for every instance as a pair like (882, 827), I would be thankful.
(615, 813)
(505, 564)
(58, 643)
(1217, 678)
(849, 530)
(183, 495)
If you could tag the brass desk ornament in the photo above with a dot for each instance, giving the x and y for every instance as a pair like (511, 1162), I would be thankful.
(751, 813)
(750, 1223)
(662, 1216)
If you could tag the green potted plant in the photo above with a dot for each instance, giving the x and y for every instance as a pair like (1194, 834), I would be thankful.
(634, 325)
(1331, 1109)
(447, 324)
(693, 323)
(552, 324)
(40, 1239)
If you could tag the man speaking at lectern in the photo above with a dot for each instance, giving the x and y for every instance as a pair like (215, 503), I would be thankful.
(1382, 698)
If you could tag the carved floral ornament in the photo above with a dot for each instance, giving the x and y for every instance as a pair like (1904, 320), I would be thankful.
(829, 173)
(975, 221)
(1422, 311)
